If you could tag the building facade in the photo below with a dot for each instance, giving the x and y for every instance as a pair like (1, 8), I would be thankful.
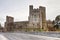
(9, 24)
(36, 19)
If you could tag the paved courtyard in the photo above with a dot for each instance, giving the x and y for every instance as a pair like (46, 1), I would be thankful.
(26, 36)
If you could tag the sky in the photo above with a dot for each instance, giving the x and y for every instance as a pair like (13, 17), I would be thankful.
(19, 9)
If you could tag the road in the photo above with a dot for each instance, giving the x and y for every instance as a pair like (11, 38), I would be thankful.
(24, 36)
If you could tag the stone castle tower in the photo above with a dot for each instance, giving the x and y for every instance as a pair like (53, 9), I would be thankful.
(37, 17)
(9, 24)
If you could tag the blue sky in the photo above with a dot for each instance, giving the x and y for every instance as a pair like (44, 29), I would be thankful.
(19, 9)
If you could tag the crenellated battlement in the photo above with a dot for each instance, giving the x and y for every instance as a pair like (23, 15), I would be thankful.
(37, 16)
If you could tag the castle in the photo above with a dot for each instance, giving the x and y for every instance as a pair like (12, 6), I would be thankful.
(36, 19)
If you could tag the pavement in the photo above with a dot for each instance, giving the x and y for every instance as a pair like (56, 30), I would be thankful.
(25, 36)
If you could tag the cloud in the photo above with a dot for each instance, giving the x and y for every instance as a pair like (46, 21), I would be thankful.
(19, 9)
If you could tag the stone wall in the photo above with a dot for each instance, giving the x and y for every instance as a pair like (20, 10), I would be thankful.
(9, 24)
(37, 17)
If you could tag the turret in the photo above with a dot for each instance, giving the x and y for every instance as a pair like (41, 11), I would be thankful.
(30, 9)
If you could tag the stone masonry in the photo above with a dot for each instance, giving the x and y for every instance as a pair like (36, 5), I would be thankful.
(36, 19)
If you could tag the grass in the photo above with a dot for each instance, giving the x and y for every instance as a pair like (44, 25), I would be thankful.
(30, 29)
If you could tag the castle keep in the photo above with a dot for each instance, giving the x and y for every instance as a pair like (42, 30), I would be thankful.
(36, 19)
